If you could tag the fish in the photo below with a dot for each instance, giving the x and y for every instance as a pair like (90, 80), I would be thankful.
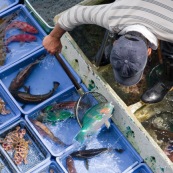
(26, 97)
(58, 115)
(63, 105)
(24, 26)
(21, 77)
(70, 165)
(90, 153)
(20, 38)
(93, 120)
(43, 130)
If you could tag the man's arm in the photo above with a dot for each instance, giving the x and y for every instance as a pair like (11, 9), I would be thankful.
(77, 15)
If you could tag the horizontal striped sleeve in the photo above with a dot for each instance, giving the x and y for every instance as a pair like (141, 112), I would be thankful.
(78, 15)
(155, 15)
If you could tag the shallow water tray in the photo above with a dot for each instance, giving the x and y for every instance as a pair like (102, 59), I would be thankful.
(40, 80)
(14, 113)
(6, 4)
(18, 50)
(37, 155)
(64, 130)
(141, 168)
(51, 165)
(109, 161)
(46, 14)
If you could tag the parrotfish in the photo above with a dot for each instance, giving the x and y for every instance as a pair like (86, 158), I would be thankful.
(93, 120)
(70, 165)
(20, 38)
(57, 112)
(24, 26)
(58, 115)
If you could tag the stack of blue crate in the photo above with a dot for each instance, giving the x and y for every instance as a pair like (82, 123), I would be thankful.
(44, 153)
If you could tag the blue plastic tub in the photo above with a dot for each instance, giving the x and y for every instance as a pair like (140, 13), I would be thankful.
(6, 166)
(112, 161)
(51, 165)
(64, 130)
(141, 168)
(14, 113)
(6, 4)
(40, 80)
(37, 155)
(18, 50)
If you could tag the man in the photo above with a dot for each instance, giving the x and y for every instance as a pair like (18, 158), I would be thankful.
(140, 24)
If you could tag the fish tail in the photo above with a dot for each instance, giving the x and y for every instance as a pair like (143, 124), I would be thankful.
(80, 137)
(55, 85)
(58, 141)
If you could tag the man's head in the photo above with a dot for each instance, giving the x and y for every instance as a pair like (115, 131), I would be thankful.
(128, 58)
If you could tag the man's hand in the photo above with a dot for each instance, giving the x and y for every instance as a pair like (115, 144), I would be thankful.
(52, 41)
(52, 44)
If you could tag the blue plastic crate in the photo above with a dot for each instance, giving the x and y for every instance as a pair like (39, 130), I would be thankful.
(112, 161)
(141, 168)
(41, 79)
(14, 114)
(64, 130)
(37, 155)
(6, 166)
(6, 4)
(52, 164)
(18, 50)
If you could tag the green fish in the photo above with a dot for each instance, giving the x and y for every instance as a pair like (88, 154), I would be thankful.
(58, 115)
(93, 120)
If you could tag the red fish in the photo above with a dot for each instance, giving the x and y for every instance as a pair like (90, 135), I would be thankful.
(24, 26)
(20, 38)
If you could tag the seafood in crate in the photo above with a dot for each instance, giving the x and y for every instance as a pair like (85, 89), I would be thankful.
(15, 141)
(22, 148)
(18, 31)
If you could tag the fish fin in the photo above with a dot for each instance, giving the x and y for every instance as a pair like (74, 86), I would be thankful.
(119, 150)
(23, 106)
(86, 163)
(55, 85)
(27, 89)
(107, 124)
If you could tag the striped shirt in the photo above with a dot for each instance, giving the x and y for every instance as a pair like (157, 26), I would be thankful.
(155, 15)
